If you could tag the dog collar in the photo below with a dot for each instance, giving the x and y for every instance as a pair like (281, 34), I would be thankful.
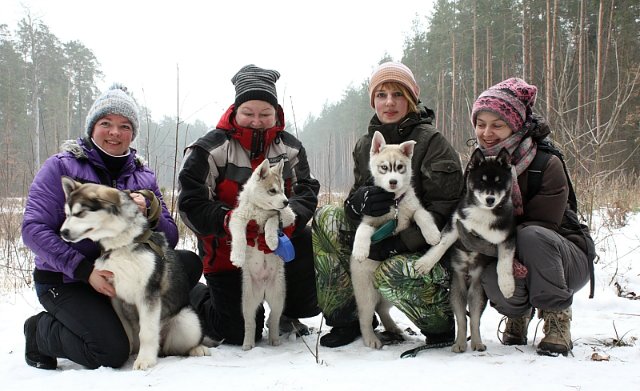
(145, 238)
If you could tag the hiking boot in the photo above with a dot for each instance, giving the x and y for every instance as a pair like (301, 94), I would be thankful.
(515, 332)
(340, 336)
(557, 333)
(32, 355)
(289, 325)
(344, 335)
(440, 340)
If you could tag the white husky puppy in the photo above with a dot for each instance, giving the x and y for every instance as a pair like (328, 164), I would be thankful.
(152, 289)
(263, 200)
(390, 166)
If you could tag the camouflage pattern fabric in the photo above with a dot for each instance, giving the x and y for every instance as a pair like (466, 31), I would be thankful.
(331, 256)
(423, 299)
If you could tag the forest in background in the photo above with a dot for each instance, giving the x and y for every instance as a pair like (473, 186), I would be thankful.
(583, 55)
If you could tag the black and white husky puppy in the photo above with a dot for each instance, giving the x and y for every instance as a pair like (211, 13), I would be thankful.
(152, 290)
(485, 211)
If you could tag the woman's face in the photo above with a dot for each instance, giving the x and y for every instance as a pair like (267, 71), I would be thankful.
(490, 129)
(113, 133)
(390, 104)
(256, 114)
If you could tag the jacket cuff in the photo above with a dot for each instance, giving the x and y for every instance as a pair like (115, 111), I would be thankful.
(219, 216)
(83, 271)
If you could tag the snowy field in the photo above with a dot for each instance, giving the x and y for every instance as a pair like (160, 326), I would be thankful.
(605, 331)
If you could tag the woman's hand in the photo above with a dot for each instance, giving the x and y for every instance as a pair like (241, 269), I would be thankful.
(140, 201)
(100, 280)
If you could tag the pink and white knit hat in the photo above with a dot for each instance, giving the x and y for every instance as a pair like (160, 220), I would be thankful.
(511, 100)
(394, 72)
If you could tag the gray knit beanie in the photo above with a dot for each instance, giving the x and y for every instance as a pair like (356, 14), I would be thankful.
(255, 83)
(116, 100)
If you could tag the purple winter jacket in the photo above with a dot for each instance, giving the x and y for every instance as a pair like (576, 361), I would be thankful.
(57, 261)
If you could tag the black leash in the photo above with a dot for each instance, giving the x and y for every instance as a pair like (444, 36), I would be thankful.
(414, 352)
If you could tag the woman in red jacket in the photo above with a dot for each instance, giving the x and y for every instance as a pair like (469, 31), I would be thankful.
(213, 171)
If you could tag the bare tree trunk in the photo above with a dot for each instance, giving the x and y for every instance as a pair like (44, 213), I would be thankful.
(474, 63)
(175, 155)
(69, 110)
(453, 81)
(599, 69)
(36, 96)
(607, 41)
(580, 115)
(440, 115)
(488, 76)
(550, 58)
(525, 59)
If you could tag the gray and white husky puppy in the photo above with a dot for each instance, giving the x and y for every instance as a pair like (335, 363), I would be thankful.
(390, 166)
(263, 200)
(152, 289)
(485, 211)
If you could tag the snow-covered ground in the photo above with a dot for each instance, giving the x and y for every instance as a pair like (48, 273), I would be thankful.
(597, 325)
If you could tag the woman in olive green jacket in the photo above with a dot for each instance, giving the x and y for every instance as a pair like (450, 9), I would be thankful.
(438, 183)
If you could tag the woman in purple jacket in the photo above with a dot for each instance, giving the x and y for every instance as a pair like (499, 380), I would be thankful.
(79, 323)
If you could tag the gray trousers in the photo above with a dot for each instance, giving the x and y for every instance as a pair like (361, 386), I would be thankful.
(557, 268)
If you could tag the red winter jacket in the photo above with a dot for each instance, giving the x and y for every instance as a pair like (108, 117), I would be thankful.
(216, 166)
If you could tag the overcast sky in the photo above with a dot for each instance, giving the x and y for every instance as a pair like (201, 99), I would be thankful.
(319, 47)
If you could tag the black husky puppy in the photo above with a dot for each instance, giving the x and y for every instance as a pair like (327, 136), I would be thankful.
(485, 211)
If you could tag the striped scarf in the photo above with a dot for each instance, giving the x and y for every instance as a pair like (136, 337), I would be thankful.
(522, 150)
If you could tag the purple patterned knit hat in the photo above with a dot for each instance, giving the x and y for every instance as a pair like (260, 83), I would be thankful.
(511, 100)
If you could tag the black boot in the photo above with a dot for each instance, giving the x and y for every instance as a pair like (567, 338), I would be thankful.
(442, 339)
(343, 335)
(32, 355)
(289, 325)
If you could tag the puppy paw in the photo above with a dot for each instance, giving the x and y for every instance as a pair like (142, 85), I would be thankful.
(143, 363)
(237, 258)
(359, 253)
(248, 345)
(459, 346)
(372, 341)
(199, 351)
(432, 235)
(272, 240)
(424, 265)
(507, 286)
(478, 346)
(274, 341)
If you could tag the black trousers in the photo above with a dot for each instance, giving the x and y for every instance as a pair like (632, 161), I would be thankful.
(219, 303)
(81, 325)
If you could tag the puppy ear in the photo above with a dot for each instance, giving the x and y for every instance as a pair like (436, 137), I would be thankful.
(263, 169)
(68, 185)
(407, 148)
(377, 143)
(278, 168)
(477, 158)
(504, 158)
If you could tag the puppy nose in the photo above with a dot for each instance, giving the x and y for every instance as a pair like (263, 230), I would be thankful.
(490, 200)
(285, 203)
(65, 233)
(393, 181)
